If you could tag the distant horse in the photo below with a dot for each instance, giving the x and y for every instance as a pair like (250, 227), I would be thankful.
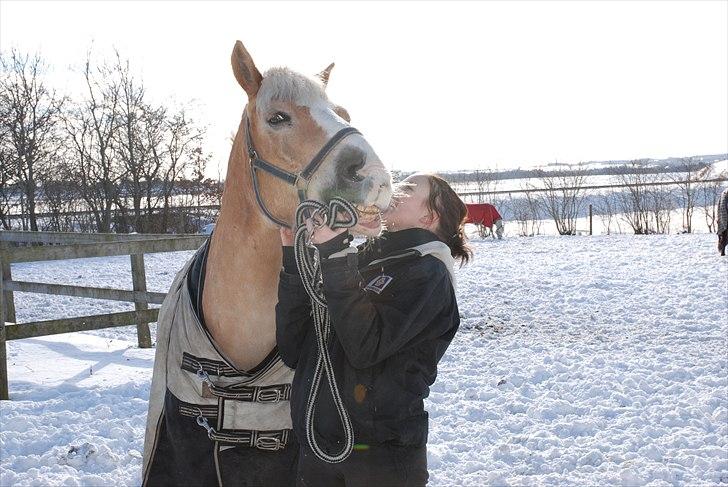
(485, 215)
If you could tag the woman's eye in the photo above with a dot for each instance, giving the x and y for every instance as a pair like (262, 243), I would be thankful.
(279, 118)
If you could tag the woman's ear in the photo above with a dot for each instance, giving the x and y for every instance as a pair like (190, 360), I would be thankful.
(430, 220)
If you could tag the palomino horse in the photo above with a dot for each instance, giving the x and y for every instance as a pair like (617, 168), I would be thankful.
(219, 407)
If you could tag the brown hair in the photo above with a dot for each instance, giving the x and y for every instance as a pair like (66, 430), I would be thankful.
(452, 213)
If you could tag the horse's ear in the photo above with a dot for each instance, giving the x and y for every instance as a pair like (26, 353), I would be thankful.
(324, 75)
(341, 111)
(245, 71)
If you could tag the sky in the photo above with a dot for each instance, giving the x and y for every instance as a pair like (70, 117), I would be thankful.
(433, 86)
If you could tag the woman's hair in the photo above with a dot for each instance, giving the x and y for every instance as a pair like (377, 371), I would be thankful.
(452, 213)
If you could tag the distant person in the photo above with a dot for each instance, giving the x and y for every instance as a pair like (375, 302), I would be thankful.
(723, 221)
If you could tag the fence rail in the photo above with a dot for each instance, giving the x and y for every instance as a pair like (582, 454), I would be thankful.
(25, 237)
(115, 211)
(18, 246)
(585, 188)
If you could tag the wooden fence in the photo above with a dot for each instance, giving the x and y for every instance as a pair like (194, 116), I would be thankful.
(16, 246)
(695, 182)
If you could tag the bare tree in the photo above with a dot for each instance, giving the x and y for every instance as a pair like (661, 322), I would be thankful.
(30, 118)
(563, 198)
(182, 141)
(660, 202)
(131, 115)
(7, 189)
(109, 159)
(687, 194)
(483, 180)
(92, 126)
(633, 203)
(527, 212)
(607, 209)
(7, 177)
(709, 193)
(153, 144)
(61, 198)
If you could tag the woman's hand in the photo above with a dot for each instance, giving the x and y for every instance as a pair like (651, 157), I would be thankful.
(320, 234)
(287, 237)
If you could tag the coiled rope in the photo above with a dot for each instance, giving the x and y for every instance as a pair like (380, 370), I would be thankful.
(309, 267)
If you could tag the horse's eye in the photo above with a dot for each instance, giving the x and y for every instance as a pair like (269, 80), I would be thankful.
(279, 118)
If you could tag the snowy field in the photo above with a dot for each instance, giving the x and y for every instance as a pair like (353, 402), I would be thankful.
(581, 361)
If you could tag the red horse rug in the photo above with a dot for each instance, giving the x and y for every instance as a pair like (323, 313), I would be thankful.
(485, 215)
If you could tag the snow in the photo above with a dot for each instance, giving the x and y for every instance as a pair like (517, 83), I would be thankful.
(718, 169)
(580, 361)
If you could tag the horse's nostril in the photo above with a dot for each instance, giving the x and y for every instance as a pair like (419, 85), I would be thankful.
(352, 172)
(349, 162)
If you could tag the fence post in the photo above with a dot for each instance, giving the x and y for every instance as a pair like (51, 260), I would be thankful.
(3, 350)
(139, 281)
(7, 276)
(590, 219)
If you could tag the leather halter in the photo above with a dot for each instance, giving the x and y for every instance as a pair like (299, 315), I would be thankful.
(298, 180)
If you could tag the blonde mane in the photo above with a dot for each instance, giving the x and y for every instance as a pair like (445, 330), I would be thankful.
(283, 84)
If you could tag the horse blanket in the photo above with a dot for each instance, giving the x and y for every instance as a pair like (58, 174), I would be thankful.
(482, 214)
(210, 423)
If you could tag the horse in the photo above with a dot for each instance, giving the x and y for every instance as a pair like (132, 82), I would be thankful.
(485, 215)
(219, 408)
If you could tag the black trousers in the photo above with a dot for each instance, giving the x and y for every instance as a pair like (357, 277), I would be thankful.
(378, 465)
(722, 241)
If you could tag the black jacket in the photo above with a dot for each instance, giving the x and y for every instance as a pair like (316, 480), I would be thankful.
(385, 345)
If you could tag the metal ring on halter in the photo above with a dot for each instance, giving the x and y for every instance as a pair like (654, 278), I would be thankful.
(319, 223)
(319, 219)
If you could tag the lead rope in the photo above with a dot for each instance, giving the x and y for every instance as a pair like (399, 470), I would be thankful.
(309, 267)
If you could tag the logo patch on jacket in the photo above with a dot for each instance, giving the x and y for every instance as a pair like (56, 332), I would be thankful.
(378, 283)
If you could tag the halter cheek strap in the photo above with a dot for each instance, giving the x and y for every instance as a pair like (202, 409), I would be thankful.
(298, 180)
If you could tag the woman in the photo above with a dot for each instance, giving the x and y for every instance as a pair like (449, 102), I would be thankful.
(393, 314)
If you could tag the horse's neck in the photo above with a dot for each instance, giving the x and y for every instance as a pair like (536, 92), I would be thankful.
(241, 278)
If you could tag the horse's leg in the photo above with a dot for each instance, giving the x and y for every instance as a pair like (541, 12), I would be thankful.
(481, 230)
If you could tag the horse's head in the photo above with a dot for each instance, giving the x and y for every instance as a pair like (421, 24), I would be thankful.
(290, 120)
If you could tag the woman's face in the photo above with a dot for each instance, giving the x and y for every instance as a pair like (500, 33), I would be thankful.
(408, 208)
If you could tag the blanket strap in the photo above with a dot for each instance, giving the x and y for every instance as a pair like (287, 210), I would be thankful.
(262, 394)
(272, 440)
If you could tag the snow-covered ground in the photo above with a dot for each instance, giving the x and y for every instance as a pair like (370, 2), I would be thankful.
(581, 361)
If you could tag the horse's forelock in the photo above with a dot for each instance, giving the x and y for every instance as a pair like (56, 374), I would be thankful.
(283, 84)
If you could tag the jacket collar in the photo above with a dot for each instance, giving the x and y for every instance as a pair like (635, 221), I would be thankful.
(413, 241)
(389, 243)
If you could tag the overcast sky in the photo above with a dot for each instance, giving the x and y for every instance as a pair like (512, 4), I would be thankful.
(432, 85)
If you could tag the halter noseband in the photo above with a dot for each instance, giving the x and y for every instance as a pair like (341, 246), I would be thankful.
(298, 180)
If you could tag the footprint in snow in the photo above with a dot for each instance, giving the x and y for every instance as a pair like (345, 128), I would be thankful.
(77, 456)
